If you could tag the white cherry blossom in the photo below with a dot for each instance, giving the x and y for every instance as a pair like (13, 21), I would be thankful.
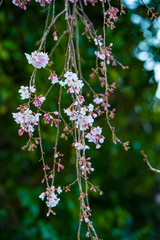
(38, 59)
(98, 100)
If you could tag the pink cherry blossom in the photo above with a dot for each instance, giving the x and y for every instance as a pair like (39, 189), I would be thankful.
(53, 77)
(27, 119)
(51, 197)
(38, 59)
(98, 100)
(39, 100)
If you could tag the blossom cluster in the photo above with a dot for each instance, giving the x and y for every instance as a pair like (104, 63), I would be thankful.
(86, 1)
(42, 2)
(98, 100)
(106, 54)
(80, 146)
(86, 165)
(95, 136)
(73, 83)
(112, 13)
(22, 3)
(82, 115)
(51, 197)
(98, 40)
(100, 54)
(50, 119)
(27, 119)
(39, 100)
(25, 92)
(53, 77)
(38, 59)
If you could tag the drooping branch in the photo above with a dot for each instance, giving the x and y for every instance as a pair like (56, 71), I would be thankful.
(79, 118)
(54, 19)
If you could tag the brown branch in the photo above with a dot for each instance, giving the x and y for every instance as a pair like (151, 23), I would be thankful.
(150, 10)
(49, 27)
(145, 158)
(46, 24)
(42, 154)
(57, 136)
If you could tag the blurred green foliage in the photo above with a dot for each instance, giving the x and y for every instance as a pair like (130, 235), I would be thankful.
(129, 209)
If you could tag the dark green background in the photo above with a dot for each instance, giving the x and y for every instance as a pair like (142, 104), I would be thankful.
(128, 210)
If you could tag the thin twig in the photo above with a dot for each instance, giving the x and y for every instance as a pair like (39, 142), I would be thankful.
(57, 136)
(42, 154)
(150, 10)
(145, 158)
(49, 27)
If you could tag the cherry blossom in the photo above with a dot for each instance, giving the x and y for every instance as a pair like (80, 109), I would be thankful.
(95, 136)
(38, 59)
(55, 37)
(100, 55)
(72, 81)
(112, 12)
(26, 118)
(25, 92)
(90, 107)
(80, 146)
(98, 100)
(22, 3)
(42, 2)
(51, 197)
(39, 100)
(53, 77)
(98, 42)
